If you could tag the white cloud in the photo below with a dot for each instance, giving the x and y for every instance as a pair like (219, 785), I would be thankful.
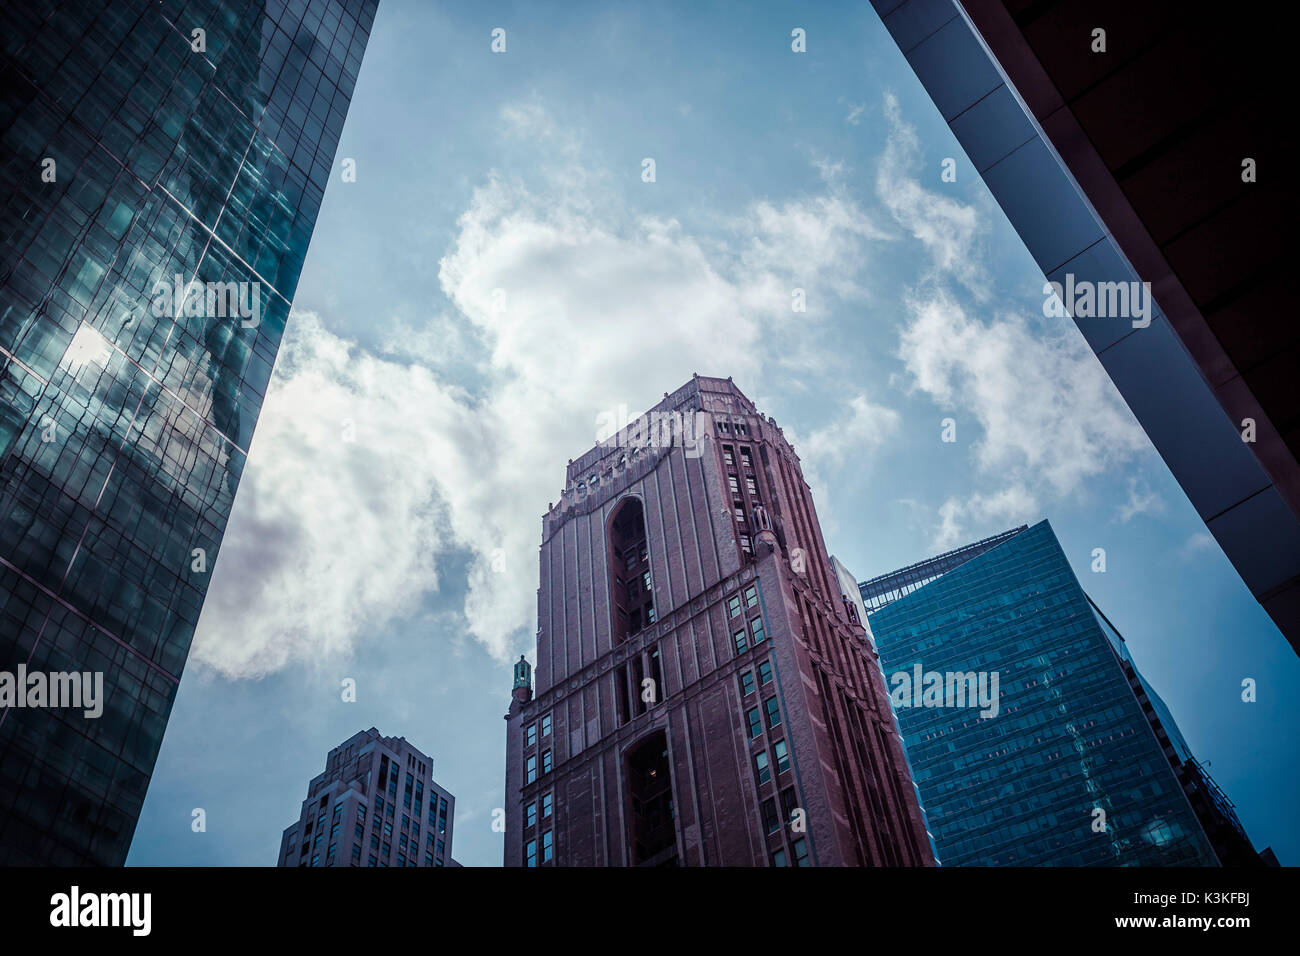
(863, 426)
(529, 119)
(1141, 500)
(817, 243)
(1199, 543)
(851, 438)
(317, 549)
(992, 513)
(1048, 418)
(949, 229)
(573, 306)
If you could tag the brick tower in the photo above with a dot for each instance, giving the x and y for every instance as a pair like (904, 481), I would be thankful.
(704, 694)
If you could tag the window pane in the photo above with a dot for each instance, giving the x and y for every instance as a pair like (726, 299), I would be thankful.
(782, 756)
(800, 848)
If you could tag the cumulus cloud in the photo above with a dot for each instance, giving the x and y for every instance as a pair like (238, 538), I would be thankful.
(998, 511)
(317, 549)
(951, 230)
(1199, 543)
(1141, 500)
(861, 427)
(816, 241)
(568, 305)
(1048, 418)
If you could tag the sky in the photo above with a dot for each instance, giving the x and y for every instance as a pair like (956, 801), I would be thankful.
(501, 274)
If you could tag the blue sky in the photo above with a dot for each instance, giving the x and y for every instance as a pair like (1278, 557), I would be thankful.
(499, 275)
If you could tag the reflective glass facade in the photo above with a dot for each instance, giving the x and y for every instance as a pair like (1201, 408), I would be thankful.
(1022, 787)
(136, 151)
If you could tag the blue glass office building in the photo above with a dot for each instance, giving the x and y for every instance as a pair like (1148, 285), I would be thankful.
(162, 168)
(1070, 736)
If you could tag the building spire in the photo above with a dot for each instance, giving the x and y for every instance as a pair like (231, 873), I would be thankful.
(523, 689)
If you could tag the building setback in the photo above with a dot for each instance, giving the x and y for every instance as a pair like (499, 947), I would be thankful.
(375, 805)
(146, 146)
(704, 694)
(1127, 144)
(1081, 763)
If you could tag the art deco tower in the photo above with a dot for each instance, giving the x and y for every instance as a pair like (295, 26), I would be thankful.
(704, 694)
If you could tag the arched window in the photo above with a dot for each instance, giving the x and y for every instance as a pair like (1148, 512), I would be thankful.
(653, 831)
(629, 571)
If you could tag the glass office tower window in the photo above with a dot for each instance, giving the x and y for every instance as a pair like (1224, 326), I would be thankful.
(1021, 787)
(128, 397)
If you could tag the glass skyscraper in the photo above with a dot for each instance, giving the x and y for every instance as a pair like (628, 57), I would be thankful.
(163, 166)
(1071, 767)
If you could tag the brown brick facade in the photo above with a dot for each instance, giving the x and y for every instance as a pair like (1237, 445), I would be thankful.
(747, 616)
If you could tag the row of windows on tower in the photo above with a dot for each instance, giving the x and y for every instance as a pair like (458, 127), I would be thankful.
(638, 685)
(530, 741)
(744, 639)
(547, 804)
(744, 522)
(530, 765)
(629, 566)
(545, 807)
(729, 456)
(408, 848)
(530, 732)
(755, 718)
(548, 849)
(798, 850)
(773, 823)
(749, 597)
(763, 775)
(766, 716)
(412, 799)
(763, 763)
(751, 486)
(769, 713)
(764, 672)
